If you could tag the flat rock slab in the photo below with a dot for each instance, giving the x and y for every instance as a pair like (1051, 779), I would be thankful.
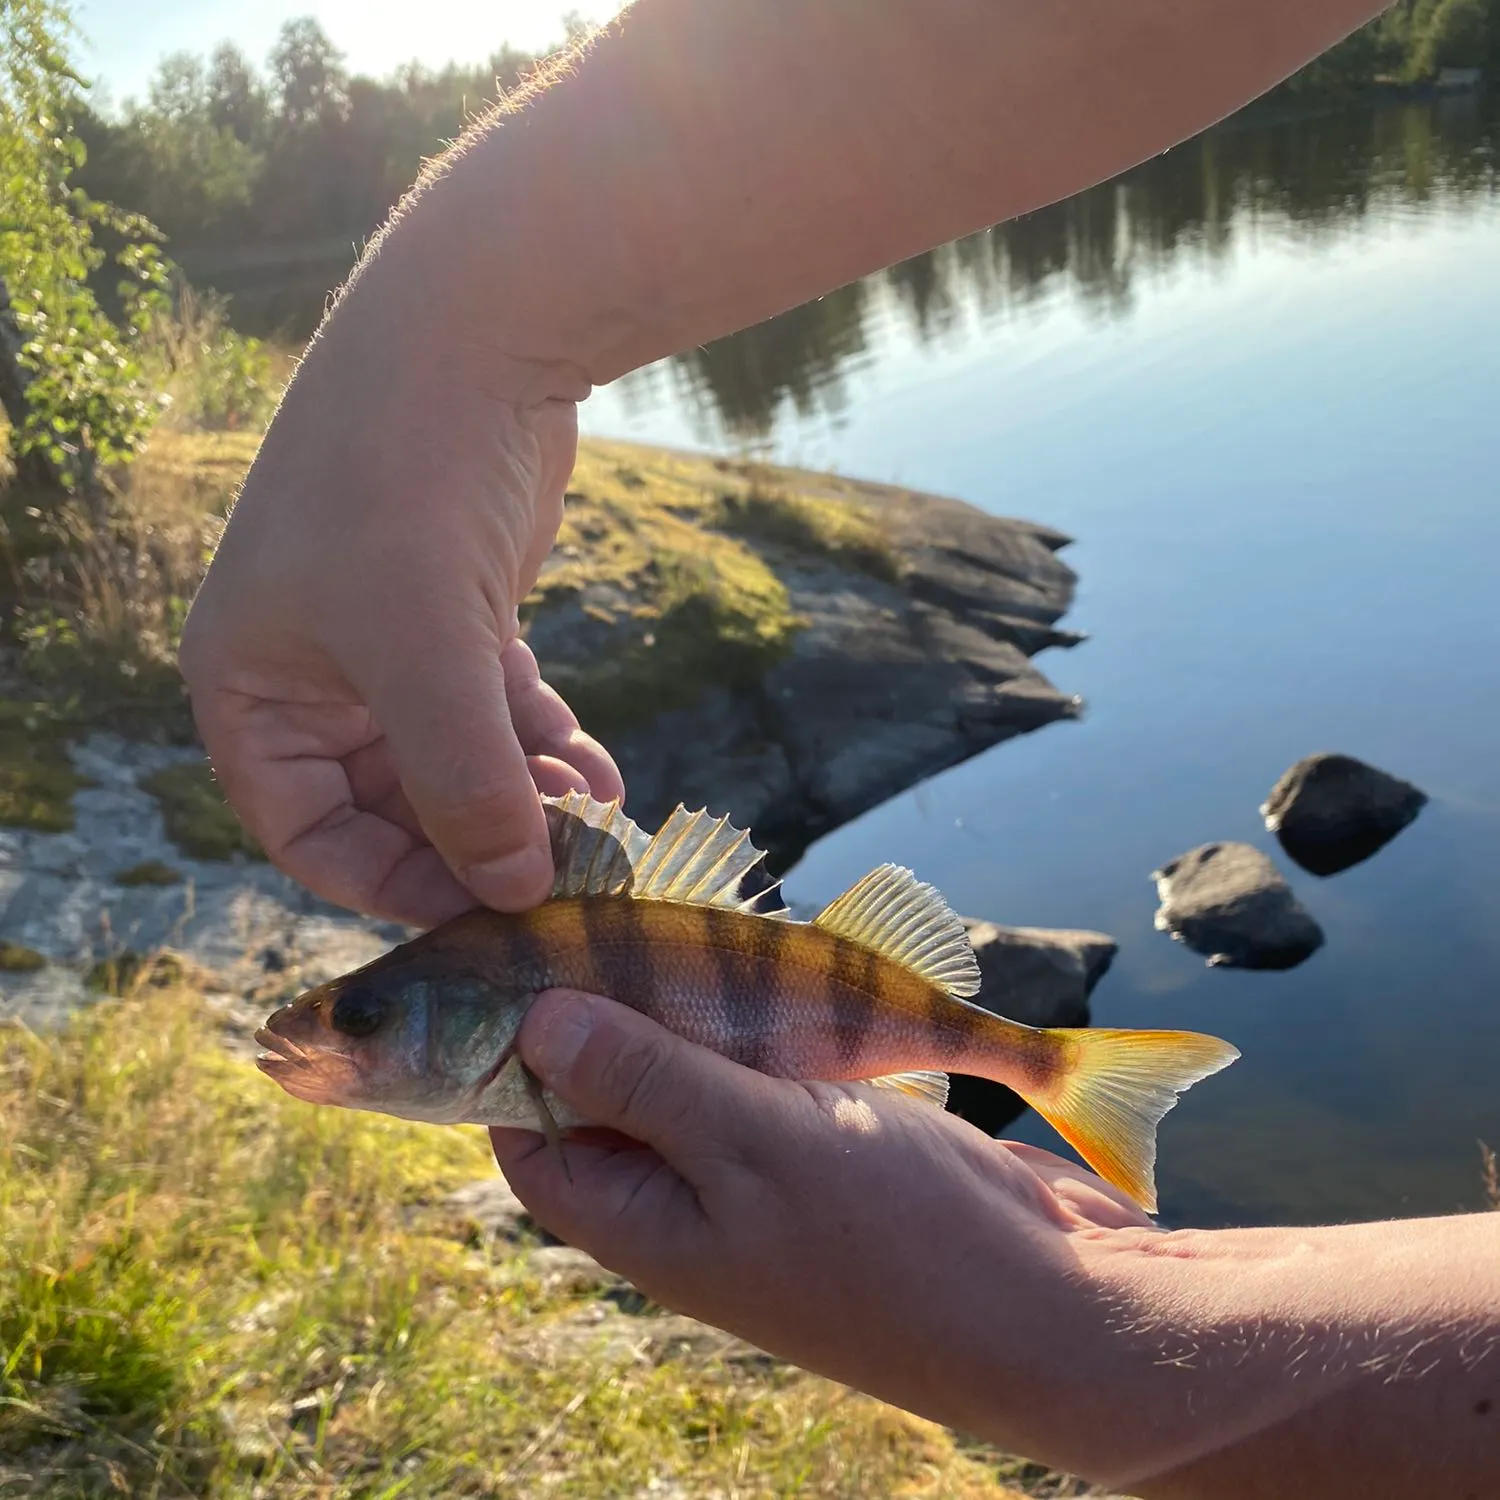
(490, 1207)
(886, 683)
(1332, 811)
(602, 1334)
(1230, 903)
(255, 935)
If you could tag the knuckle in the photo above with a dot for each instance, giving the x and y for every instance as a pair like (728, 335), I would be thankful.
(636, 1078)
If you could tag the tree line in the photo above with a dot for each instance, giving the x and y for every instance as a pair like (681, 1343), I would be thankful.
(222, 152)
(1411, 42)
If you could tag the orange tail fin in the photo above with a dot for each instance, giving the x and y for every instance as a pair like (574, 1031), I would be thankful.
(1110, 1091)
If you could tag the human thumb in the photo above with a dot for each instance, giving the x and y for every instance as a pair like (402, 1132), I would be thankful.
(446, 719)
(619, 1069)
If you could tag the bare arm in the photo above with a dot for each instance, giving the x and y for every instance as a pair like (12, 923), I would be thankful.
(352, 654)
(1364, 1359)
(709, 165)
(1016, 1297)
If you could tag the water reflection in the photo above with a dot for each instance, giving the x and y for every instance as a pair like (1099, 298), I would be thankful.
(1310, 179)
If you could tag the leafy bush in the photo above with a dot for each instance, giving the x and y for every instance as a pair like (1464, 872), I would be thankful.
(215, 379)
(85, 399)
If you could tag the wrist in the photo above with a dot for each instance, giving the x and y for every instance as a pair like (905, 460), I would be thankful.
(467, 301)
(1190, 1335)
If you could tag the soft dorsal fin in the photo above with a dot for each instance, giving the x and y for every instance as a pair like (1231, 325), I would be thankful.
(595, 847)
(894, 913)
(701, 861)
(929, 1087)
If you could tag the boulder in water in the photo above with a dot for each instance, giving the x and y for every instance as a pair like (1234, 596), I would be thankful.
(1332, 811)
(1230, 903)
(1038, 976)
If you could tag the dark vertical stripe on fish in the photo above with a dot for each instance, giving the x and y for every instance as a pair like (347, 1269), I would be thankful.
(853, 999)
(746, 988)
(618, 951)
(529, 956)
(954, 1026)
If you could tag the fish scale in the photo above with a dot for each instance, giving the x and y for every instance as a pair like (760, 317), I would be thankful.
(874, 989)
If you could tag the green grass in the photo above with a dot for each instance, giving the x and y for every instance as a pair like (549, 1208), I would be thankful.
(37, 780)
(806, 525)
(128, 972)
(682, 557)
(197, 818)
(210, 1289)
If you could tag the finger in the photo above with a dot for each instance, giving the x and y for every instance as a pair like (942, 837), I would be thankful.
(546, 726)
(1085, 1196)
(622, 1071)
(377, 788)
(555, 778)
(451, 738)
(280, 767)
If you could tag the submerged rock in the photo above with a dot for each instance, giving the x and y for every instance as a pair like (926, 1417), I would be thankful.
(1230, 903)
(1038, 976)
(1332, 811)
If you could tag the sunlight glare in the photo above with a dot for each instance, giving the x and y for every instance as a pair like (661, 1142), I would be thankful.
(124, 42)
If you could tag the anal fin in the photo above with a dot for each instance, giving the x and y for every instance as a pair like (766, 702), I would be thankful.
(931, 1088)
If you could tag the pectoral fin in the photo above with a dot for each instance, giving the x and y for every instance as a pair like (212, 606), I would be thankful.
(538, 1097)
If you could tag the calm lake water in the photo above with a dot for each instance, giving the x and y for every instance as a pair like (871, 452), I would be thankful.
(1259, 381)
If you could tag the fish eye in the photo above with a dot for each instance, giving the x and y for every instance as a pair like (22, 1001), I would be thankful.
(357, 1012)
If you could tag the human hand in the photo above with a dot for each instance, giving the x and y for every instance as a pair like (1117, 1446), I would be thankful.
(353, 657)
(855, 1232)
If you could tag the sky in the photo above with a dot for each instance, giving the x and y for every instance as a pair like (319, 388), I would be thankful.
(125, 39)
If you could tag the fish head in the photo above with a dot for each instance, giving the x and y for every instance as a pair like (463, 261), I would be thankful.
(403, 1036)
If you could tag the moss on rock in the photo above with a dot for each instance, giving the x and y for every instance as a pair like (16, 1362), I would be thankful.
(37, 780)
(129, 972)
(15, 958)
(197, 818)
(666, 579)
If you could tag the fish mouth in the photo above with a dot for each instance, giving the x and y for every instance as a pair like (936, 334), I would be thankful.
(318, 1076)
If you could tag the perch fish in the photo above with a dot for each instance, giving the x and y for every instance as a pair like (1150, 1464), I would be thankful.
(875, 988)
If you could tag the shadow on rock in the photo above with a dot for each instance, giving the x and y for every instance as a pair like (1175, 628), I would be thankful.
(1331, 812)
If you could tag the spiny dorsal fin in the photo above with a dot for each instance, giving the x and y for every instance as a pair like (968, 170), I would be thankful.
(894, 913)
(595, 847)
(701, 861)
(931, 1087)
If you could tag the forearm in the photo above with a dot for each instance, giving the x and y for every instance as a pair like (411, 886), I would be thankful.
(1361, 1359)
(707, 165)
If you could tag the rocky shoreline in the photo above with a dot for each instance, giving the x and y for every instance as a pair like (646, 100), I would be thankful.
(891, 673)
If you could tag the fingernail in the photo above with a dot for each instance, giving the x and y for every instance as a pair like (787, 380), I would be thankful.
(513, 882)
(563, 1029)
